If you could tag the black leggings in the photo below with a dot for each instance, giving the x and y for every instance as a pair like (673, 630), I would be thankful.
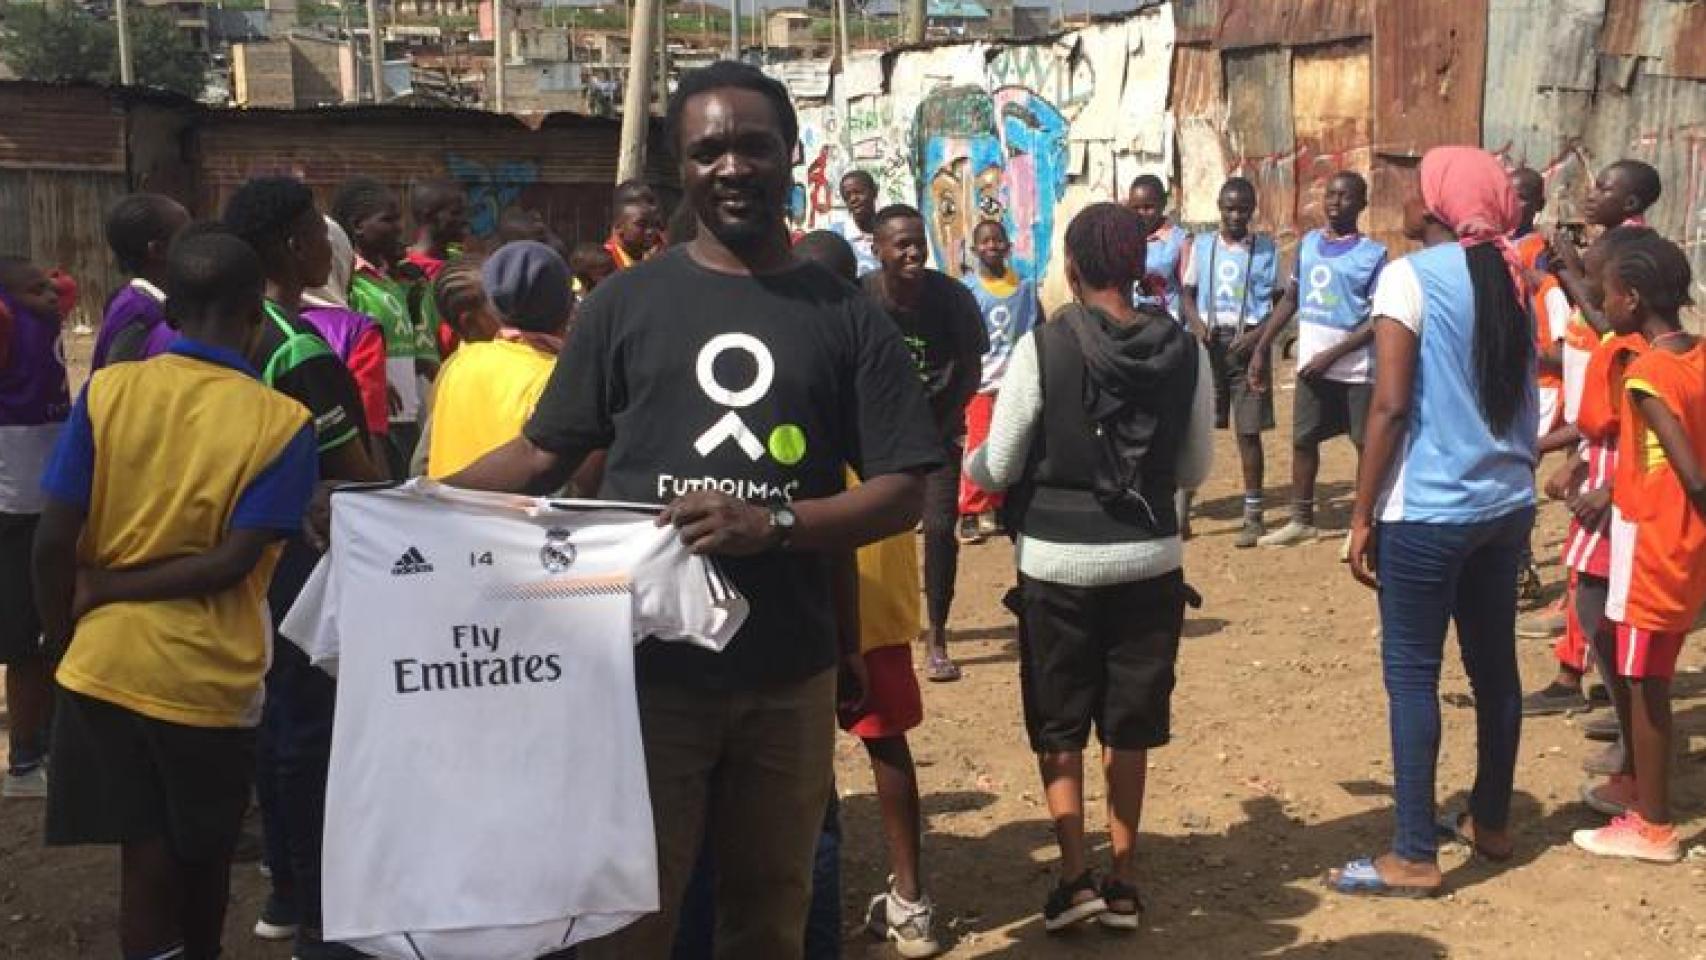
(941, 543)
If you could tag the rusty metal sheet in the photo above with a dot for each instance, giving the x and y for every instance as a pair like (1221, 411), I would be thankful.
(1661, 120)
(1259, 121)
(1196, 21)
(1333, 119)
(1393, 182)
(1687, 54)
(1262, 23)
(1621, 36)
(1258, 91)
(1673, 36)
(1541, 69)
(1199, 86)
(1430, 62)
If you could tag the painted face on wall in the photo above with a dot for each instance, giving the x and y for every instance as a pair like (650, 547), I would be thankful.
(989, 158)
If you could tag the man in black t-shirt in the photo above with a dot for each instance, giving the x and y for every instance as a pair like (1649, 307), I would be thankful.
(942, 325)
(733, 383)
(277, 216)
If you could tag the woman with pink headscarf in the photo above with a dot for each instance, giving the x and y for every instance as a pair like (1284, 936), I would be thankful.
(1444, 504)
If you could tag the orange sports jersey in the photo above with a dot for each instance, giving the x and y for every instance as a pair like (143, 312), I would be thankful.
(1667, 577)
(1602, 387)
(1548, 328)
(1530, 247)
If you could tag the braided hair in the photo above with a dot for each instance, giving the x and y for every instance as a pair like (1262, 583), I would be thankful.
(1503, 349)
(459, 293)
(1655, 268)
(1106, 243)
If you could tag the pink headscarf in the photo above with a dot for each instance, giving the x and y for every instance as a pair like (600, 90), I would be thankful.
(1469, 190)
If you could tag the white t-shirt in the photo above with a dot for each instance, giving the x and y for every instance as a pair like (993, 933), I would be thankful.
(487, 794)
(1399, 296)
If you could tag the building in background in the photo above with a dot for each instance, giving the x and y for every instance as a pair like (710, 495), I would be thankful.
(789, 29)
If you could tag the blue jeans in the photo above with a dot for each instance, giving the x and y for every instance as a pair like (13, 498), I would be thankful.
(1430, 575)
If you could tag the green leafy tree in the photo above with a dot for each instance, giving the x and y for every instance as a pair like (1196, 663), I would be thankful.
(62, 42)
(162, 56)
(57, 42)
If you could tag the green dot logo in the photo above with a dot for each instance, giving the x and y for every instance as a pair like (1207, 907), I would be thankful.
(788, 444)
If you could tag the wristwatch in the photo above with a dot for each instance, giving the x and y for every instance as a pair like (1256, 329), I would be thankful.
(782, 522)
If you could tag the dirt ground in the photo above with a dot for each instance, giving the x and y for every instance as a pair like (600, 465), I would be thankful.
(1279, 769)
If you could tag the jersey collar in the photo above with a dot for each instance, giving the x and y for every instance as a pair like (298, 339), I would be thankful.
(196, 350)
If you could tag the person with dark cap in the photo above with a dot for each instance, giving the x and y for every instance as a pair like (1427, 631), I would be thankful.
(487, 390)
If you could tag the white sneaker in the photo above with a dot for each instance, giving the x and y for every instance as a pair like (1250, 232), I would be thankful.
(1290, 535)
(26, 786)
(909, 926)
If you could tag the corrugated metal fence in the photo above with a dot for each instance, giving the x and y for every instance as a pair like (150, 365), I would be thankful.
(1293, 89)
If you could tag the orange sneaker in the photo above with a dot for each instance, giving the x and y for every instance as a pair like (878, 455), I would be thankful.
(1613, 798)
(1632, 837)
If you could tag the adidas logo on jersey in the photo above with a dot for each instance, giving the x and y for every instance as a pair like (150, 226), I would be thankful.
(412, 561)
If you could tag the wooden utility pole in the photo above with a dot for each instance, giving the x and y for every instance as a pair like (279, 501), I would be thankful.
(841, 23)
(499, 55)
(637, 97)
(661, 94)
(126, 70)
(915, 21)
(376, 51)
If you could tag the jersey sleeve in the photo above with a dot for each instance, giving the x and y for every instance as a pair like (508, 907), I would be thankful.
(278, 496)
(367, 366)
(70, 473)
(681, 596)
(324, 385)
(312, 623)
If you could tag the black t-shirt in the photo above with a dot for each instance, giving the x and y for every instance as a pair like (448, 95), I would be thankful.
(945, 333)
(293, 359)
(762, 387)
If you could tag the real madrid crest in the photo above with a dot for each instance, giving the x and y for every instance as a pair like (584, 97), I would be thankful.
(558, 554)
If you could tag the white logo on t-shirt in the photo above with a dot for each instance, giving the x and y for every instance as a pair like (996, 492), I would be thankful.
(1230, 275)
(731, 425)
(1320, 277)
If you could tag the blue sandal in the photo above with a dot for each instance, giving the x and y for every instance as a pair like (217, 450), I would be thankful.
(1359, 878)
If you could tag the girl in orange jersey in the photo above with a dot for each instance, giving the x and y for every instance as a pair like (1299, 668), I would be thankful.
(1658, 566)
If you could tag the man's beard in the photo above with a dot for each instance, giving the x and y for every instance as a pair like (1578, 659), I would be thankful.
(746, 235)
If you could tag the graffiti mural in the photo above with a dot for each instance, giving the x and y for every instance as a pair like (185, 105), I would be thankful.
(491, 189)
(1019, 134)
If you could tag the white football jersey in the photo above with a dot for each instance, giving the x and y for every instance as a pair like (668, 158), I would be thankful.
(487, 796)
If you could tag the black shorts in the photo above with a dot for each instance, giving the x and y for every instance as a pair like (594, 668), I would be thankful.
(20, 625)
(1324, 409)
(1102, 655)
(1249, 412)
(121, 777)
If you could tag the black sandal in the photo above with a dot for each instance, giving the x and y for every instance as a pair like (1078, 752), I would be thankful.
(1064, 909)
(1116, 891)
